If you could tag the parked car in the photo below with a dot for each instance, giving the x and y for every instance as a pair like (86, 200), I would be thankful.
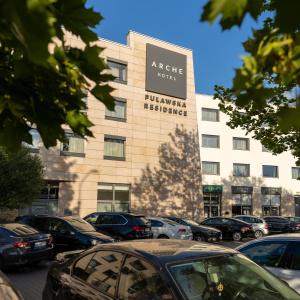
(200, 232)
(69, 233)
(21, 244)
(121, 226)
(259, 225)
(231, 228)
(280, 254)
(296, 220)
(280, 224)
(168, 229)
(7, 290)
(162, 269)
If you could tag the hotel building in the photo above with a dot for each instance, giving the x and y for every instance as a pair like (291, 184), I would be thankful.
(239, 175)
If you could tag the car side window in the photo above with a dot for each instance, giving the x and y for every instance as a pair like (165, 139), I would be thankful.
(293, 255)
(208, 222)
(155, 223)
(118, 220)
(141, 281)
(105, 220)
(267, 254)
(41, 224)
(59, 226)
(81, 267)
(92, 218)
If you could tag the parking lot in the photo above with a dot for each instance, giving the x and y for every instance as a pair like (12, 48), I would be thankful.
(30, 280)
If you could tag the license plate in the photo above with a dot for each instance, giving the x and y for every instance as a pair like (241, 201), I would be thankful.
(40, 244)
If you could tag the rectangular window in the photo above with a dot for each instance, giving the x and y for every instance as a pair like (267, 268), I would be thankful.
(241, 144)
(119, 70)
(295, 172)
(210, 168)
(271, 201)
(114, 147)
(73, 146)
(270, 171)
(210, 141)
(209, 114)
(242, 170)
(119, 114)
(113, 197)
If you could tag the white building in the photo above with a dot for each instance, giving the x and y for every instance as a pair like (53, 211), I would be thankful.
(239, 175)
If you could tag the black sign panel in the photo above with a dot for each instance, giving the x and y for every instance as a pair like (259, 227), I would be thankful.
(166, 72)
(241, 189)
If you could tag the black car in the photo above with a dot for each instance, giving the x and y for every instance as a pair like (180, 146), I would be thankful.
(21, 244)
(7, 291)
(296, 220)
(231, 228)
(69, 233)
(200, 232)
(162, 270)
(280, 224)
(121, 226)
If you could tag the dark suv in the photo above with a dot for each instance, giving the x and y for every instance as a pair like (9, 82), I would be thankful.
(121, 226)
(69, 233)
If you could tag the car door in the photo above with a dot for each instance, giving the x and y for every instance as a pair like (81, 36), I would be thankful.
(140, 280)
(94, 277)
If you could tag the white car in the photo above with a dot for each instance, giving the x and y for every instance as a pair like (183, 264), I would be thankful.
(167, 229)
(280, 254)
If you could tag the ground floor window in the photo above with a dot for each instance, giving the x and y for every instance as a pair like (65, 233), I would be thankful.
(241, 200)
(113, 197)
(212, 196)
(271, 201)
(47, 203)
(297, 206)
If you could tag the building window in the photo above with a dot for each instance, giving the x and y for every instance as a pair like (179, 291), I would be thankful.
(241, 200)
(271, 201)
(113, 197)
(241, 144)
(210, 168)
(210, 141)
(119, 70)
(209, 114)
(36, 140)
(295, 172)
(114, 147)
(242, 170)
(270, 171)
(73, 145)
(119, 114)
(212, 196)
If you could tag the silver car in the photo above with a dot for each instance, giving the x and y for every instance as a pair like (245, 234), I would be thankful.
(259, 225)
(280, 254)
(168, 229)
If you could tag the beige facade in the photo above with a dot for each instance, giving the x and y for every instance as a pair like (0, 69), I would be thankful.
(147, 130)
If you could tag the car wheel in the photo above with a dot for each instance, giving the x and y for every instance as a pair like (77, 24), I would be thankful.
(162, 236)
(199, 238)
(258, 234)
(237, 236)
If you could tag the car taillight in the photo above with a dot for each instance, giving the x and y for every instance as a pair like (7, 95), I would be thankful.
(137, 228)
(21, 245)
(182, 230)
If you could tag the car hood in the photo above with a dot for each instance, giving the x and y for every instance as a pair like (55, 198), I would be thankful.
(98, 236)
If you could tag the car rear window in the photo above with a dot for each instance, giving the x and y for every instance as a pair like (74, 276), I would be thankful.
(141, 220)
(20, 229)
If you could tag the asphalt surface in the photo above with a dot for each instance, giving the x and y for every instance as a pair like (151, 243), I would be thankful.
(30, 280)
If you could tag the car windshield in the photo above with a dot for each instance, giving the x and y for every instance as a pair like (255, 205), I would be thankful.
(191, 222)
(228, 277)
(80, 224)
(20, 230)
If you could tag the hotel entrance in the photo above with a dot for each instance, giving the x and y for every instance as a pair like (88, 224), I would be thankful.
(212, 196)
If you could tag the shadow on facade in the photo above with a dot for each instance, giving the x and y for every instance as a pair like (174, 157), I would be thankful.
(174, 186)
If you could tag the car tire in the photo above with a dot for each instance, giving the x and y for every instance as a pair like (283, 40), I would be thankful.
(163, 236)
(199, 238)
(237, 236)
(258, 234)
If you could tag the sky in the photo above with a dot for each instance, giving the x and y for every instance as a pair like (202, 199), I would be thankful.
(216, 53)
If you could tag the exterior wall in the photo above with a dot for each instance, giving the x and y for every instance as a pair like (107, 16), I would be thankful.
(145, 131)
(255, 157)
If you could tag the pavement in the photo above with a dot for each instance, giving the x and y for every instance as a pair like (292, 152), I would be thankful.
(30, 280)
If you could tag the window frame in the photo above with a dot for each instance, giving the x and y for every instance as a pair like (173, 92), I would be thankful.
(118, 99)
(277, 171)
(217, 111)
(297, 168)
(244, 139)
(240, 164)
(211, 162)
(119, 62)
(71, 134)
(115, 137)
(210, 135)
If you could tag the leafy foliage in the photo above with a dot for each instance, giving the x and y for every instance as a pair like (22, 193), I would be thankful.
(43, 80)
(21, 178)
(266, 87)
